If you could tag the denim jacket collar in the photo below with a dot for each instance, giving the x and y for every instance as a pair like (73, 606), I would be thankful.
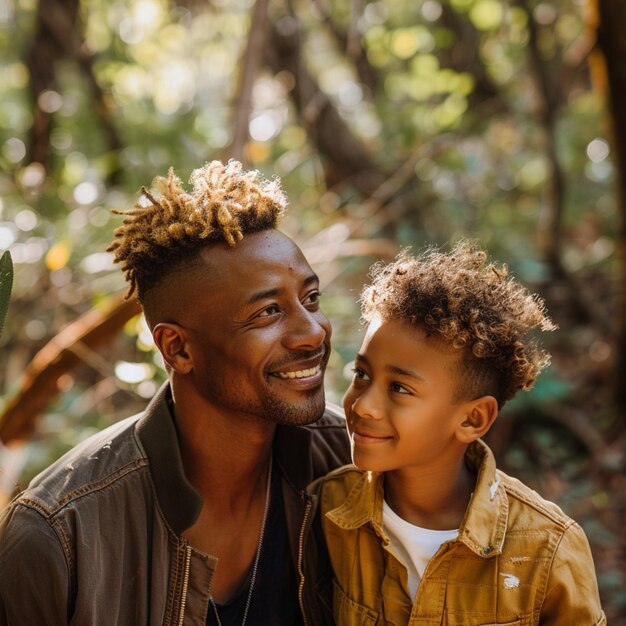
(484, 524)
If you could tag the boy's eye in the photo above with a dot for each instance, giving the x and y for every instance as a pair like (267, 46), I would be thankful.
(398, 388)
(359, 374)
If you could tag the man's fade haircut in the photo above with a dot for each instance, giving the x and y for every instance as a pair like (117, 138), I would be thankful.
(169, 226)
(474, 307)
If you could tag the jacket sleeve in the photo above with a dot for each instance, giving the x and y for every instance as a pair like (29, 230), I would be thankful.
(572, 590)
(34, 576)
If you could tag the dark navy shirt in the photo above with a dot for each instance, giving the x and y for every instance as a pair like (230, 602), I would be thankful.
(274, 600)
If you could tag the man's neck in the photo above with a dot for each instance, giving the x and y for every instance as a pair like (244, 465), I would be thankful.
(227, 459)
(223, 455)
(434, 498)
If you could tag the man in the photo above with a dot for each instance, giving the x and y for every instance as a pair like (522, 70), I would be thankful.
(195, 511)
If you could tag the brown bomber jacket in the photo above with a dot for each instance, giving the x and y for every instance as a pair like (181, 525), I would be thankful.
(96, 538)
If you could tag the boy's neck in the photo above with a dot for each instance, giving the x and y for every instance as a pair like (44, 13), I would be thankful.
(435, 499)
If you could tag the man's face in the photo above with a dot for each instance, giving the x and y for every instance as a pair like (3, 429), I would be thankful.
(256, 334)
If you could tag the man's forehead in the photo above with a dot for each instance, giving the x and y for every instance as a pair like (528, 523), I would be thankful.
(265, 247)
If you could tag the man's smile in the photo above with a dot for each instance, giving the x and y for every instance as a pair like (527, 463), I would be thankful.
(299, 373)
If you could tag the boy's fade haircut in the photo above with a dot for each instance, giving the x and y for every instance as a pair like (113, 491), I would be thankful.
(474, 307)
(169, 226)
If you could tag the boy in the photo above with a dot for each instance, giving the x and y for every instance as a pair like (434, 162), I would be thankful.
(425, 530)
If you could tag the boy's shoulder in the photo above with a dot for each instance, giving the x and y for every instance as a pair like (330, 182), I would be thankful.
(527, 507)
(339, 482)
(517, 503)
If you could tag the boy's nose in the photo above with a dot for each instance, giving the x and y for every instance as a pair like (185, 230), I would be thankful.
(366, 407)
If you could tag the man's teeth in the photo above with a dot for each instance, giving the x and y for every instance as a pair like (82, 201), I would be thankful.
(299, 373)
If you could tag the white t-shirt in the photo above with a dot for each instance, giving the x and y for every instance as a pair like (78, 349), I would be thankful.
(415, 545)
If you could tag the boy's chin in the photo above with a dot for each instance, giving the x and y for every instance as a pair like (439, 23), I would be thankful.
(366, 466)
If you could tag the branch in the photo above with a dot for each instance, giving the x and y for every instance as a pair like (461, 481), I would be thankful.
(351, 43)
(464, 56)
(550, 219)
(249, 66)
(58, 18)
(60, 355)
(551, 216)
(349, 160)
(40, 59)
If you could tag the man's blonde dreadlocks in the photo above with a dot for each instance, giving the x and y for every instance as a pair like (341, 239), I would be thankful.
(225, 204)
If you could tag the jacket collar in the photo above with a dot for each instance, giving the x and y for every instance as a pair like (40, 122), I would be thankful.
(293, 452)
(484, 524)
(180, 502)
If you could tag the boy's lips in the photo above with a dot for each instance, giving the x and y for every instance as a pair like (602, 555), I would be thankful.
(363, 435)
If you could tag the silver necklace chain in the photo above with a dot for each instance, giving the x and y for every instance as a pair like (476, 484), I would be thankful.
(257, 556)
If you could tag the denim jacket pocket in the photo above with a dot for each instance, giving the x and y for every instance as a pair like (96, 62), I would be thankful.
(350, 613)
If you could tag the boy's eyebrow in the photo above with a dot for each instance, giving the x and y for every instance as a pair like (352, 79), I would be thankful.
(270, 293)
(401, 371)
(393, 369)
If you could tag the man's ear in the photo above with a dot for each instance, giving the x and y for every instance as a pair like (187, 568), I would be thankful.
(480, 414)
(171, 341)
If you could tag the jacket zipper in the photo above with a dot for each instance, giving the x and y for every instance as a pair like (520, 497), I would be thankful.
(300, 559)
(183, 599)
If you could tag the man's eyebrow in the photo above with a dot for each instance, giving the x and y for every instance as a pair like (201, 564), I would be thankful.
(261, 295)
(313, 278)
(271, 293)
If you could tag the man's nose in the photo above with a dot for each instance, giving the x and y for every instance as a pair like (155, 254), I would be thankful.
(307, 330)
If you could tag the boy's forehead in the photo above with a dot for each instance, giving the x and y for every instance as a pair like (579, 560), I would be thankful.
(396, 328)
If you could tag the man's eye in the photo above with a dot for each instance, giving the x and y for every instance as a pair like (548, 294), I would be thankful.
(313, 298)
(269, 311)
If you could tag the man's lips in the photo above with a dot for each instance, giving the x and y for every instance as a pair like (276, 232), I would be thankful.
(299, 373)
(303, 368)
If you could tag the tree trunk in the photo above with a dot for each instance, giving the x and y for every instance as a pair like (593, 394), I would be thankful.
(612, 42)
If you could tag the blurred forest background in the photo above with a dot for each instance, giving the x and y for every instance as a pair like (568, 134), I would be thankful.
(391, 123)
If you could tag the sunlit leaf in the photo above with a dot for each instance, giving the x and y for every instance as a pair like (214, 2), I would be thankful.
(6, 285)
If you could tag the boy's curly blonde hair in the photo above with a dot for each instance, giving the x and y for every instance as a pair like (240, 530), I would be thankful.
(172, 225)
(471, 305)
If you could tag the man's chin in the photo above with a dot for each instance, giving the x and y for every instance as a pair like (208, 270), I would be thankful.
(298, 413)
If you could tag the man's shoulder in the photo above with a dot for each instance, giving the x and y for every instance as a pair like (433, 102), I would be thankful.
(527, 508)
(94, 463)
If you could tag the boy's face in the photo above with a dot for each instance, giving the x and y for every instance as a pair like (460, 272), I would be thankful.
(399, 407)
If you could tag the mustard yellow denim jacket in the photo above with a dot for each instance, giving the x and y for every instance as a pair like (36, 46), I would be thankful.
(518, 559)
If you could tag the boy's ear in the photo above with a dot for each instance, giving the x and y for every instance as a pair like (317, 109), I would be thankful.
(480, 414)
(171, 341)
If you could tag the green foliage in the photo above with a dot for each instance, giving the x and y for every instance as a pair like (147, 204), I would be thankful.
(442, 96)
